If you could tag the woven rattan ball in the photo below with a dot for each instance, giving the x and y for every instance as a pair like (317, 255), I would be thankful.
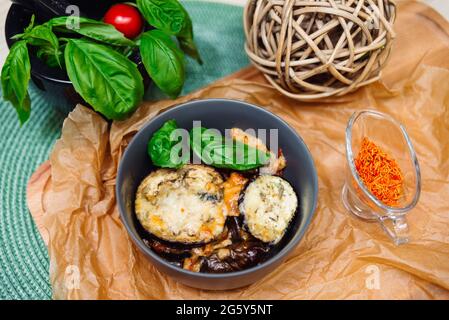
(319, 48)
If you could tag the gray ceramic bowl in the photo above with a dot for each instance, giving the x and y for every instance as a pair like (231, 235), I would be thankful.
(220, 114)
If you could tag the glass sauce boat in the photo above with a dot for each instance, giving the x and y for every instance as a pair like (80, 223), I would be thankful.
(393, 139)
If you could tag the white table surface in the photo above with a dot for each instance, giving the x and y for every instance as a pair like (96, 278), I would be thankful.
(440, 5)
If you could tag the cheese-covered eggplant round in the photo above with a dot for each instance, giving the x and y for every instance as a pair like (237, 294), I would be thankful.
(268, 205)
(184, 205)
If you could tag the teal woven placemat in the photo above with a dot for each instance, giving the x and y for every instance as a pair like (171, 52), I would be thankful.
(23, 256)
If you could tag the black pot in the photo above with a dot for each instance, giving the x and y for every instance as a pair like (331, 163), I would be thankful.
(54, 82)
(220, 114)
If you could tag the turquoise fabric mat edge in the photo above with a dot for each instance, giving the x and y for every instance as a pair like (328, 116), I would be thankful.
(24, 260)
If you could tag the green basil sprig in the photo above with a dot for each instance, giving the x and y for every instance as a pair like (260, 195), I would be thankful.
(163, 61)
(106, 79)
(98, 64)
(45, 39)
(161, 145)
(15, 77)
(220, 152)
(90, 28)
(171, 17)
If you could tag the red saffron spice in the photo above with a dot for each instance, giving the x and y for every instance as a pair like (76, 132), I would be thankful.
(380, 173)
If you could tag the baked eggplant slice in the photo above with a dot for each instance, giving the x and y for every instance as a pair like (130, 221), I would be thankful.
(269, 204)
(184, 205)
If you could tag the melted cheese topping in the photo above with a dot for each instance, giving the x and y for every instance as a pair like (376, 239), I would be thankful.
(184, 205)
(269, 205)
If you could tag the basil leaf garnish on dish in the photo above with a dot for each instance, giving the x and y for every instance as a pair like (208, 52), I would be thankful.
(171, 17)
(163, 61)
(15, 77)
(106, 79)
(215, 150)
(90, 28)
(161, 147)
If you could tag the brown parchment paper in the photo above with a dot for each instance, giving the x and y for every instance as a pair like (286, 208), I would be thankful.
(71, 197)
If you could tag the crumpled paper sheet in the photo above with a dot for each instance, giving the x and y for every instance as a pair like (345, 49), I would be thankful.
(91, 257)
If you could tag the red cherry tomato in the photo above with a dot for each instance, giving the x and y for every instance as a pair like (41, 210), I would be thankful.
(126, 19)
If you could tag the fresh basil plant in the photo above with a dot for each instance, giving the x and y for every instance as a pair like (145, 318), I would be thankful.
(96, 58)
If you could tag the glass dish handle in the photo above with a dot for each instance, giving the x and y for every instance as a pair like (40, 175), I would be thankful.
(395, 227)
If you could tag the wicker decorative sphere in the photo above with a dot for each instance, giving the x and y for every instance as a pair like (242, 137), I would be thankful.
(311, 49)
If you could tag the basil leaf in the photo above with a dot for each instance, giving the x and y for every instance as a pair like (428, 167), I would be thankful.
(161, 145)
(31, 25)
(43, 37)
(106, 79)
(15, 77)
(163, 61)
(171, 17)
(166, 15)
(219, 152)
(51, 58)
(187, 44)
(90, 28)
